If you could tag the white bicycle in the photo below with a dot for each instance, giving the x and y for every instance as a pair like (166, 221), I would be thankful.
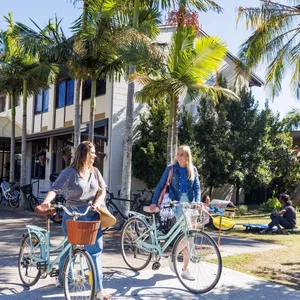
(11, 193)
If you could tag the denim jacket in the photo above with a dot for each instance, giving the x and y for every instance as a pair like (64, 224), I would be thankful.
(192, 186)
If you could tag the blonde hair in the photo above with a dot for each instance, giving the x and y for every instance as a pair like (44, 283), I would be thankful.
(189, 165)
(81, 155)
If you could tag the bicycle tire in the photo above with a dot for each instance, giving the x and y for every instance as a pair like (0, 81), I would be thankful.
(130, 252)
(81, 283)
(25, 263)
(33, 202)
(204, 264)
(226, 225)
(14, 199)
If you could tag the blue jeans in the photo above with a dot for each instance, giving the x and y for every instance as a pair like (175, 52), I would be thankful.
(178, 212)
(94, 250)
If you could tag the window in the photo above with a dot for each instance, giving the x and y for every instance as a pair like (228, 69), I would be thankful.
(2, 103)
(38, 159)
(65, 93)
(17, 102)
(42, 101)
(87, 87)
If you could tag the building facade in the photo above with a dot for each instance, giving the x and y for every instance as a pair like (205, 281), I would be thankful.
(50, 125)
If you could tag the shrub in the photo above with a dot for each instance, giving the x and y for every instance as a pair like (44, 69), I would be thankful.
(242, 209)
(270, 205)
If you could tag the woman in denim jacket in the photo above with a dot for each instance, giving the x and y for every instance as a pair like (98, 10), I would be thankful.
(184, 187)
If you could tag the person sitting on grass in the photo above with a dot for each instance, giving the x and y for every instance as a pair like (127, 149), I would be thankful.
(206, 201)
(285, 218)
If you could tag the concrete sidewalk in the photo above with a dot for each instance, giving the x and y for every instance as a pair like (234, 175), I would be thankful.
(124, 283)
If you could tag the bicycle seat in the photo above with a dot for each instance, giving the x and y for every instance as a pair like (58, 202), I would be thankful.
(12, 182)
(147, 210)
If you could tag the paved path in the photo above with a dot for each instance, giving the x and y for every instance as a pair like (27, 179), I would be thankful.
(123, 283)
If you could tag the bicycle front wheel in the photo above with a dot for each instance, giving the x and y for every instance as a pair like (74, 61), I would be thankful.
(14, 199)
(197, 253)
(136, 258)
(30, 252)
(79, 276)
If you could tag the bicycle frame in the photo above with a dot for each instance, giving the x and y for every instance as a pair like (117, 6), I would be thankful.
(44, 242)
(155, 247)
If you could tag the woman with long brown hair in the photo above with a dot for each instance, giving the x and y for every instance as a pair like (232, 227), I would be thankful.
(82, 183)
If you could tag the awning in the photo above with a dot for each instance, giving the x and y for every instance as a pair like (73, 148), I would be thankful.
(84, 129)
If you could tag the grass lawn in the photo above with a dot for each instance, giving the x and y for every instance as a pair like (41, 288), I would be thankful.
(281, 266)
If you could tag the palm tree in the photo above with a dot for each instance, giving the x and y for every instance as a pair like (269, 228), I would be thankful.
(201, 5)
(275, 42)
(31, 76)
(189, 63)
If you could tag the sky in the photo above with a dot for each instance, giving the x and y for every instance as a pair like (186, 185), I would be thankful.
(222, 25)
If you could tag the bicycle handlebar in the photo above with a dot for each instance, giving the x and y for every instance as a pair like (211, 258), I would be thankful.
(73, 213)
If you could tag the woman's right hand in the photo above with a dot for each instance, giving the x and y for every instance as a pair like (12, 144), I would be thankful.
(152, 207)
(45, 205)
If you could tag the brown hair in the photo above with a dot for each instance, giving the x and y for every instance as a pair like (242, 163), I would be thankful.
(80, 156)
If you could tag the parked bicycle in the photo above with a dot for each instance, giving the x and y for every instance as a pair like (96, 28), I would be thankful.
(141, 241)
(57, 217)
(78, 271)
(136, 204)
(11, 193)
(32, 200)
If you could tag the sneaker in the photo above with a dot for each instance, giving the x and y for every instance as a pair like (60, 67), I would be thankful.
(103, 295)
(58, 284)
(171, 265)
(186, 275)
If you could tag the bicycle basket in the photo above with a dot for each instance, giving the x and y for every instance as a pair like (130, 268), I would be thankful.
(82, 232)
(195, 216)
(26, 189)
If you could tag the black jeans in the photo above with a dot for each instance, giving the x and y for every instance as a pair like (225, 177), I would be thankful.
(276, 219)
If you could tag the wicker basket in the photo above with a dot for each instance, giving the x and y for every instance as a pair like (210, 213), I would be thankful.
(82, 232)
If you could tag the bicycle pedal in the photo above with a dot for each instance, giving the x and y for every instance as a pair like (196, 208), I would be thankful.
(155, 266)
(54, 272)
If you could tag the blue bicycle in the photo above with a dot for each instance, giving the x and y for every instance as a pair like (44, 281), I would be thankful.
(195, 257)
(78, 271)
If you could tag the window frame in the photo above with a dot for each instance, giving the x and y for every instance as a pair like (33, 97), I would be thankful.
(100, 83)
(66, 92)
(3, 102)
(43, 109)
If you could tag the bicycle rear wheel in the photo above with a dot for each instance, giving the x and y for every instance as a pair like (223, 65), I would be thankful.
(135, 257)
(33, 202)
(201, 256)
(226, 224)
(30, 251)
(79, 276)
(14, 199)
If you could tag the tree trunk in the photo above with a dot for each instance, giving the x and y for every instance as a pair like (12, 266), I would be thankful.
(127, 153)
(127, 156)
(175, 128)
(170, 156)
(77, 121)
(210, 190)
(237, 195)
(92, 111)
(13, 137)
(23, 199)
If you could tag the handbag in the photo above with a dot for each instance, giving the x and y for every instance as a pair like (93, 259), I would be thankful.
(164, 199)
(107, 219)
